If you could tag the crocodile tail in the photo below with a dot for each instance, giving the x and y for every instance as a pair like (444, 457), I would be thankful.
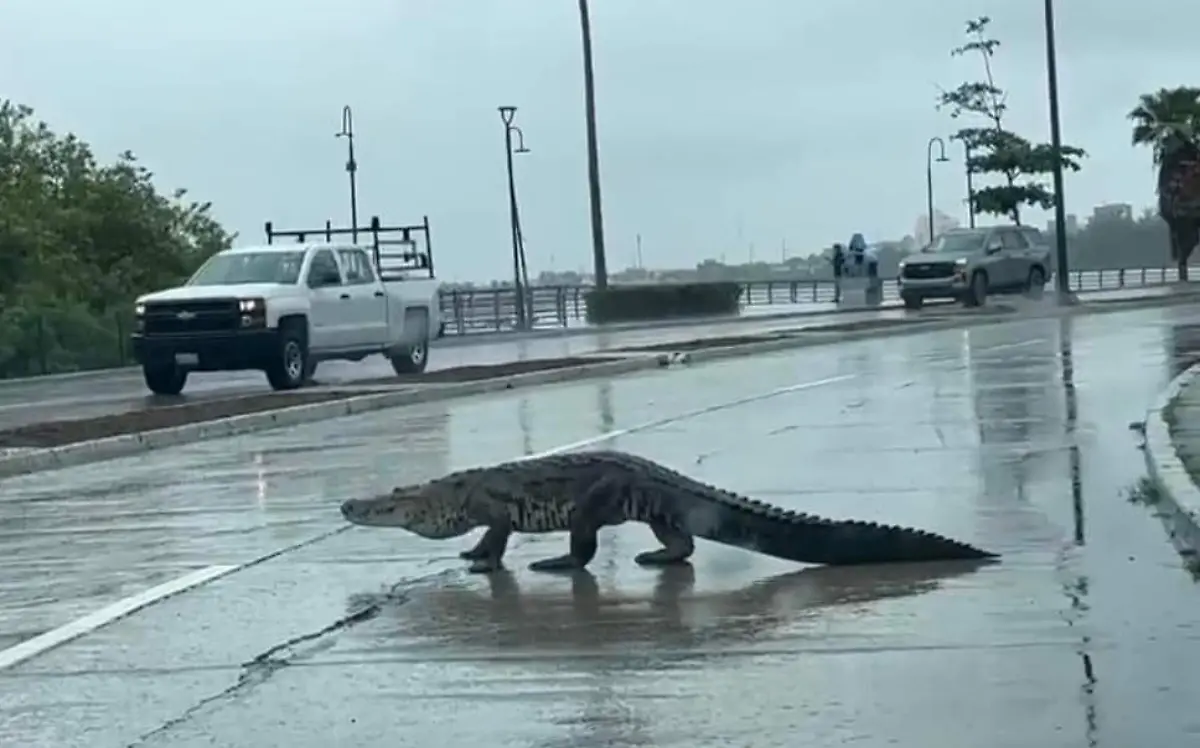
(794, 536)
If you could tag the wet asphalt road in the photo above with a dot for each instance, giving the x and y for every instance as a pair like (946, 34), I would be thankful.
(118, 391)
(121, 390)
(1083, 635)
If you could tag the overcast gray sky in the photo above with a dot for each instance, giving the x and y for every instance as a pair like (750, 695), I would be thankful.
(778, 120)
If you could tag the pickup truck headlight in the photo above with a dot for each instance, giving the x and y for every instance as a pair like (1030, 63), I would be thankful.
(251, 305)
(139, 310)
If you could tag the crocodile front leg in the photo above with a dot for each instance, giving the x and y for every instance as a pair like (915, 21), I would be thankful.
(481, 548)
(487, 556)
(678, 547)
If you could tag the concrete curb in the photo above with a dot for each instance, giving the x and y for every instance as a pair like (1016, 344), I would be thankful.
(1178, 492)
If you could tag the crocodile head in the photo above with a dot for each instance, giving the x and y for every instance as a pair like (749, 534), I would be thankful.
(435, 510)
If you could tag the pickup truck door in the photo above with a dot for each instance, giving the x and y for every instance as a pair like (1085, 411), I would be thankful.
(367, 297)
(329, 303)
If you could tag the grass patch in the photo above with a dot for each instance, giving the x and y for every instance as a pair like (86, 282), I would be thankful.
(1146, 492)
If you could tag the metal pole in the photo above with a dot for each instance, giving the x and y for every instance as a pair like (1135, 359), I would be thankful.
(593, 155)
(929, 195)
(970, 185)
(506, 115)
(351, 168)
(929, 176)
(1060, 213)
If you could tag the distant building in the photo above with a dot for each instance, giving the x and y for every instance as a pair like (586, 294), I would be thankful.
(1072, 225)
(941, 222)
(1113, 212)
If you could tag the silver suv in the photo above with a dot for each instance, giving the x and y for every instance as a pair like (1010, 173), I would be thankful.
(969, 264)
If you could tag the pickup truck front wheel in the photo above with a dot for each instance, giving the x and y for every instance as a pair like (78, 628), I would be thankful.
(164, 379)
(290, 366)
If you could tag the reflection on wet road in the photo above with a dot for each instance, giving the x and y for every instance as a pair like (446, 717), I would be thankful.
(1012, 437)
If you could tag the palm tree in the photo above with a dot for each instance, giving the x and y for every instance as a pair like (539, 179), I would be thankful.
(1169, 122)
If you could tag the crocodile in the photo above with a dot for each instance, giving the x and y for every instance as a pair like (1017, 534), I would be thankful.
(581, 492)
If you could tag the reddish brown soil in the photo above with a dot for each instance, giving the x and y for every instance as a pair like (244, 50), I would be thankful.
(59, 433)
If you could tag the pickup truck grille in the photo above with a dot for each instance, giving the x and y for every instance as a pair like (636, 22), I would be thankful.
(926, 270)
(186, 317)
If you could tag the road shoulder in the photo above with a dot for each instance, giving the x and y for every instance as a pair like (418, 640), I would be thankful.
(1173, 455)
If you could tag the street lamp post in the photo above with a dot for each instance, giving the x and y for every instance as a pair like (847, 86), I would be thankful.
(970, 184)
(593, 155)
(1062, 279)
(941, 144)
(520, 271)
(351, 167)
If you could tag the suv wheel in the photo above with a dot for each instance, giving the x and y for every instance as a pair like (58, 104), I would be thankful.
(164, 379)
(287, 371)
(977, 293)
(912, 301)
(1036, 283)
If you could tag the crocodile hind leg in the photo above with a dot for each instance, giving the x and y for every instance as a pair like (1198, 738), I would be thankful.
(678, 547)
(488, 554)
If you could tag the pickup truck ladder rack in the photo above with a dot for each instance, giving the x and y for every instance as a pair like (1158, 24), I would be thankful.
(394, 258)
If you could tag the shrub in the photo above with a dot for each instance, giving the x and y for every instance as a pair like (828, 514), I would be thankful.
(662, 301)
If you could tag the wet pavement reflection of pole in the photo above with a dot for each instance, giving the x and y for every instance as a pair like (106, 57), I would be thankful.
(1077, 591)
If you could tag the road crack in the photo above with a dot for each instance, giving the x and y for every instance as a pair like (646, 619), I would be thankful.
(264, 666)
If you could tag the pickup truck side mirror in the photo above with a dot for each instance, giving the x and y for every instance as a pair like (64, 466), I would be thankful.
(994, 246)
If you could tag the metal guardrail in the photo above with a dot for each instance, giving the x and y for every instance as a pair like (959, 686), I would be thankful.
(478, 311)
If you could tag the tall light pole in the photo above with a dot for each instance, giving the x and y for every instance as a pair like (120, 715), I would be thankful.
(520, 271)
(1062, 280)
(941, 144)
(970, 184)
(351, 167)
(593, 155)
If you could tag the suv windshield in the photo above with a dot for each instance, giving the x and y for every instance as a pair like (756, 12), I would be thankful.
(249, 267)
(958, 241)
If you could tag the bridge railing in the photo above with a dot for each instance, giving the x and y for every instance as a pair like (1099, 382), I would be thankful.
(473, 311)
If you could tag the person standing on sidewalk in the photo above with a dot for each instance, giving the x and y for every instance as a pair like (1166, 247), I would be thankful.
(839, 265)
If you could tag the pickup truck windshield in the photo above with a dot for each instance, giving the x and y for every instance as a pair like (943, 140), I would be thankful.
(249, 267)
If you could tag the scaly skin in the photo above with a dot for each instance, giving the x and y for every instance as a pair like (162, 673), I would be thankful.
(581, 492)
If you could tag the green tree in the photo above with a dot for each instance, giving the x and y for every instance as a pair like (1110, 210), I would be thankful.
(994, 150)
(78, 241)
(1168, 121)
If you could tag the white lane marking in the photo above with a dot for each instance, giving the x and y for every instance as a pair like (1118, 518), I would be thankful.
(608, 435)
(91, 622)
(55, 637)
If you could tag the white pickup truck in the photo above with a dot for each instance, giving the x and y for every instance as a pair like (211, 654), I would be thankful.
(283, 308)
